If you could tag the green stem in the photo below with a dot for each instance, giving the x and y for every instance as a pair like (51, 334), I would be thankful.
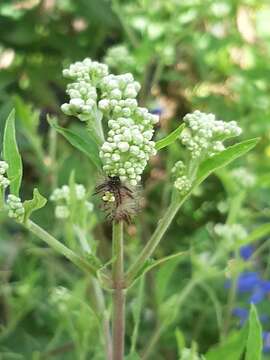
(150, 247)
(164, 325)
(118, 319)
(2, 198)
(235, 207)
(99, 300)
(60, 248)
(125, 23)
(137, 316)
(94, 133)
(230, 304)
(157, 73)
(52, 156)
(101, 309)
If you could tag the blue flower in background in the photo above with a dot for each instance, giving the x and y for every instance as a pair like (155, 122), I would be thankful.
(246, 251)
(265, 285)
(251, 283)
(248, 281)
(242, 314)
(257, 296)
(157, 111)
(266, 341)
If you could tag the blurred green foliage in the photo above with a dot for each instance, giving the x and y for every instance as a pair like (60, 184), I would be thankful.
(206, 54)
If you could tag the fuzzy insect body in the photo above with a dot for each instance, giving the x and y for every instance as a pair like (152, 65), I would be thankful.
(119, 200)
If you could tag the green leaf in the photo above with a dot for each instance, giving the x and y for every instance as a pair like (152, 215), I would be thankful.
(26, 115)
(168, 140)
(94, 261)
(259, 232)
(84, 144)
(163, 278)
(36, 203)
(254, 340)
(11, 155)
(133, 357)
(224, 158)
(180, 340)
(29, 120)
(151, 263)
(248, 339)
(232, 348)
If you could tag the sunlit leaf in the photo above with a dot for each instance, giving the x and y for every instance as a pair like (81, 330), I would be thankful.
(163, 277)
(11, 155)
(171, 138)
(258, 233)
(34, 204)
(87, 147)
(151, 263)
(133, 357)
(232, 348)
(254, 340)
(224, 158)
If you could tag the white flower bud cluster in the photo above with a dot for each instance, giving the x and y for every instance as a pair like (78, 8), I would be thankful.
(59, 297)
(63, 199)
(4, 182)
(89, 206)
(204, 135)
(61, 212)
(83, 94)
(232, 233)
(118, 57)
(63, 193)
(108, 197)
(15, 208)
(119, 94)
(128, 145)
(243, 177)
(179, 168)
(182, 182)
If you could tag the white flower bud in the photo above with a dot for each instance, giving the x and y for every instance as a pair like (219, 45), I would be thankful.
(182, 184)
(3, 167)
(15, 206)
(116, 157)
(108, 197)
(204, 134)
(123, 146)
(89, 206)
(61, 212)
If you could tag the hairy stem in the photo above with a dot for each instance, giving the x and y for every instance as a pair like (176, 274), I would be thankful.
(151, 245)
(118, 317)
(60, 248)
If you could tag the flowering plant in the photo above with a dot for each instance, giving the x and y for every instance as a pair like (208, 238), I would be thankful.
(119, 140)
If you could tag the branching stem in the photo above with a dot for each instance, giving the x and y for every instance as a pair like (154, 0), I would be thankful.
(158, 234)
(61, 248)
